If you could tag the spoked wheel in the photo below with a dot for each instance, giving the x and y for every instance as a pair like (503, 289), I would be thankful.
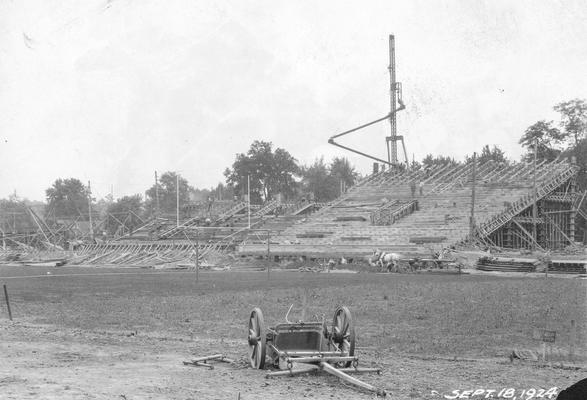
(257, 339)
(343, 333)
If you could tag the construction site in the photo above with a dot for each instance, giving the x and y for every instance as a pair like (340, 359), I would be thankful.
(535, 210)
(460, 275)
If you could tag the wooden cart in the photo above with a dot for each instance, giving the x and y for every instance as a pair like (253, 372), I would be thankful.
(302, 347)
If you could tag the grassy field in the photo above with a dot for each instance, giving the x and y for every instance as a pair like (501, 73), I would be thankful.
(467, 315)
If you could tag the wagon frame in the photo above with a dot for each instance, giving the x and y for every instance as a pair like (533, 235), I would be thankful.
(301, 347)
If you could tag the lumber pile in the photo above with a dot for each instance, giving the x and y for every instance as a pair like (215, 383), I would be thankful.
(146, 254)
(502, 264)
(567, 266)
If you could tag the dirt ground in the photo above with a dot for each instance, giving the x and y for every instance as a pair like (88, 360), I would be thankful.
(55, 363)
(78, 359)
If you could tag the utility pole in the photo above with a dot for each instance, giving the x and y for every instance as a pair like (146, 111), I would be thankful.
(395, 97)
(90, 209)
(472, 222)
(156, 196)
(391, 141)
(249, 198)
(534, 209)
(177, 197)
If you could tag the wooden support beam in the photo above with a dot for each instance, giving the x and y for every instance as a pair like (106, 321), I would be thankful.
(555, 226)
(528, 234)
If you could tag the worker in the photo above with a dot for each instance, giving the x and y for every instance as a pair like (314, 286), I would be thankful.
(210, 202)
(413, 188)
(421, 185)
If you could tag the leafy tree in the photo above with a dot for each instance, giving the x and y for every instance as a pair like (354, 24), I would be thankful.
(546, 136)
(123, 214)
(489, 154)
(14, 216)
(270, 172)
(200, 195)
(415, 165)
(223, 192)
(573, 120)
(579, 152)
(168, 193)
(430, 161)
(67, 198)
(317, 180)
(286, 168)
(340, 169)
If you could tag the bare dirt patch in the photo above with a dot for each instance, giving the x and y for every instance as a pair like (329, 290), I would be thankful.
(126, 335)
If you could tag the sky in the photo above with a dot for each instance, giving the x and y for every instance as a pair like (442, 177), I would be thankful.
(110, 91)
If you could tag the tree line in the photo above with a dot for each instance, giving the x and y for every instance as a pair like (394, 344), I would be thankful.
(269, 171)
(266, 172)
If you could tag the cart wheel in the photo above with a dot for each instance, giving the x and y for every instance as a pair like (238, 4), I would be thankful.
(257, 339)
(343, 333)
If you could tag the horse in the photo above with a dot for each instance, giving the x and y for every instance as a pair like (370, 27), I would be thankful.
(386, 261)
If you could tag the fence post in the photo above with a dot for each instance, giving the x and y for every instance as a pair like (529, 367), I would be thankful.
(197, 258)
(7, 302)
(268, 254)
(572, 341)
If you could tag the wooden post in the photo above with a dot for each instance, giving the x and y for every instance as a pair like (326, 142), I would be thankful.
(472, 222)
(90, 210)
(534, 194)
(7, 303)
(197, 258)
(156, 196)
(572, 341)
(304, 303)
(177, 197)
(268, 254)
(572, 215)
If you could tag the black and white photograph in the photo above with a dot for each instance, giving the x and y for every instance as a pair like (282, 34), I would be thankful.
(291, 199)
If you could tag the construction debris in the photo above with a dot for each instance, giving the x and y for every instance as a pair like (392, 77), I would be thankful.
(203, 361)
(507, 264)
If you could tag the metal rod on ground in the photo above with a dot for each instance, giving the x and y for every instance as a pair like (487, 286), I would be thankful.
(359, 370)
(217, 357)
(199, 364)
(291, 372)
(7, 302)
(347, 378)
(322, 359)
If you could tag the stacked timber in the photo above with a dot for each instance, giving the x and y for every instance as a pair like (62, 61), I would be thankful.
(502, 264)
(567, 266)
